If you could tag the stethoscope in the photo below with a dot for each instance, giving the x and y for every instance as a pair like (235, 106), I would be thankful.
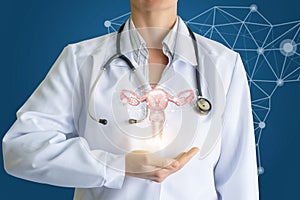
(203, 106)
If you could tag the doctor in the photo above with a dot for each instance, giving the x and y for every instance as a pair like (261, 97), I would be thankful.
(55, 141)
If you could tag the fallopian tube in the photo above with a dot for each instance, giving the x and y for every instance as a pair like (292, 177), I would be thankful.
(157, 101)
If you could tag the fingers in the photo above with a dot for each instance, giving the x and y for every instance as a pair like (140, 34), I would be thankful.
(160, 162)
(177, 163)
(144, 162)
(182, 159)
(185, 157)
(152, 167)
(193, 151)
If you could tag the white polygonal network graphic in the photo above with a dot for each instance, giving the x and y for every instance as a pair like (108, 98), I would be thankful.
(270, 52)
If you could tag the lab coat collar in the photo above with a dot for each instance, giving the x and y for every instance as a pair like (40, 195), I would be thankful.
(177, 44)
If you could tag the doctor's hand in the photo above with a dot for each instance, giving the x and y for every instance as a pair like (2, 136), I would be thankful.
(143, 164)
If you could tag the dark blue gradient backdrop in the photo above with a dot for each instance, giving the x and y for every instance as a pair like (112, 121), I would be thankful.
(34, 32)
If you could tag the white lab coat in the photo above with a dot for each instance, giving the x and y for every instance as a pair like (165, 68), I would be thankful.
(54, 141)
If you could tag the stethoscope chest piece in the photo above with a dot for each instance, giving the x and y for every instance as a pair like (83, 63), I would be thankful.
(203, 105)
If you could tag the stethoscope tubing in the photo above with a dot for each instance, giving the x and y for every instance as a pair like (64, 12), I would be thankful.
(203, 105)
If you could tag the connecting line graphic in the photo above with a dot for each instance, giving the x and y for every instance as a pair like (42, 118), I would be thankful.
(270, 52)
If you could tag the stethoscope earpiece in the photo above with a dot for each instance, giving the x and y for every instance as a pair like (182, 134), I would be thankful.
(203, 105)
(132, 121)
(102, 121)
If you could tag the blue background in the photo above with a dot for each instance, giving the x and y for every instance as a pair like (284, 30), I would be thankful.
(34, 32)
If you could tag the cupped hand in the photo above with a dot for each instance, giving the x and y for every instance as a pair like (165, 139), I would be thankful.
(143, 164)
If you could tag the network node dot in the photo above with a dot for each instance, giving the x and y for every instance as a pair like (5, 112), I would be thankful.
(260, 50)
(262, 125)
(107, 23)
(280, 82)
(288, 47)
(253, 8)
(260, 170)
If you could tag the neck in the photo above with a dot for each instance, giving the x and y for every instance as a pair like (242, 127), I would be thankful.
(154, 19)
(154, 25)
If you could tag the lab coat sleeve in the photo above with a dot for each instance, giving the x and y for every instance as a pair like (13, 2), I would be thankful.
(38, 147)
(236, 175)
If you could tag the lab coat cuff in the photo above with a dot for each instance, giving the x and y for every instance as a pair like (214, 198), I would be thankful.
(115, 171)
